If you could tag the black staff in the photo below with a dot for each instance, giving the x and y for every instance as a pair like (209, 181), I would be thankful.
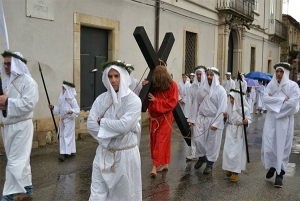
(48, 98)
(243, 114)
(1, 93)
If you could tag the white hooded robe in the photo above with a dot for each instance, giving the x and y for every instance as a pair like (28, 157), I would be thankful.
(117, 165)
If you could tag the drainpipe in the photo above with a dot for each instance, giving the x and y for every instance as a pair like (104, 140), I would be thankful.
(157, 18)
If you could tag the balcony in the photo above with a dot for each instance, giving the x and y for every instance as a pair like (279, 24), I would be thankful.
(277, 31)
(239, 11)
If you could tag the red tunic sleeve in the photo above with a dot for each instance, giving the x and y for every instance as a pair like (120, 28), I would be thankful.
(165, 101)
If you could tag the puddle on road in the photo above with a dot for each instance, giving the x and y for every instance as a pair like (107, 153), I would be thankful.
(290, 169)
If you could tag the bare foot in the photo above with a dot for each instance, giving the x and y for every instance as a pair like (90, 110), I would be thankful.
(163, 167)
(153, 172)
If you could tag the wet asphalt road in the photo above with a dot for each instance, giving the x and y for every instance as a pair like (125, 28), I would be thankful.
(70, 180)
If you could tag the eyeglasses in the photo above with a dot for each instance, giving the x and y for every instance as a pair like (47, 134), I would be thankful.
(7, 63)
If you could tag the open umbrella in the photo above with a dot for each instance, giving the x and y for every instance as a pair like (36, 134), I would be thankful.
(251, 82)
(269, 74)
(255, 75)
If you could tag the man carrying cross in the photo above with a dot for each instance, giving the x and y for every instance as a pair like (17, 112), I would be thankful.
(160, 108)
(211, 101)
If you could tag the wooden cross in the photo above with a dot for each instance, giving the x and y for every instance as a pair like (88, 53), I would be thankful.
(152, 59)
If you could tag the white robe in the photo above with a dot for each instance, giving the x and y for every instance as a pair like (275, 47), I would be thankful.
(234, 153)
(250, 99)
(119, 133)
(191, 92)
(67, 125)
(191, 99)
(210, 111)
(278, 129)
(228, 84)
(136, 87)
(259, 97)
(183, 94)
(17, 137)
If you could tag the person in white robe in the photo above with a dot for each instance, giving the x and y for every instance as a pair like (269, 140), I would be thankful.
(114, 122)
(243, 84)
(212, 101)
(183, 88)
(188, 103)
(281, 99)
(68, 110)
(259, 97)
(234, 152)
(228, 83)
(200, 78)
(136, 86)
(19, 100)
(250, 97)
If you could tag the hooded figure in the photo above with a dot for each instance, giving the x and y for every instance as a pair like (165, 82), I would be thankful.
(183, 88)
(243, 84)
(114, 123)
(208, 127)
(281, 99)
(19, 100)
(191, 108)
(228, 83)
(234, 152)
(68, 110)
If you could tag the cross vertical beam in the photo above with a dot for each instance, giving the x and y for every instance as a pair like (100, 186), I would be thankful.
(152, 59)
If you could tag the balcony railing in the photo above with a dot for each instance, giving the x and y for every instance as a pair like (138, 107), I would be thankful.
(241, 7)
(277, 30)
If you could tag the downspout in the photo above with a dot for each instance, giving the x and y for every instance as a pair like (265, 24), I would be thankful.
(157, 19)
(262, 58)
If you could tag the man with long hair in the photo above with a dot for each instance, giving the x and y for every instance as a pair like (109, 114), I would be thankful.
(160, 108)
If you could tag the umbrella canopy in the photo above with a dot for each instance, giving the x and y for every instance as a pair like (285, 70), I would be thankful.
(251, 82)
(255, 75)
(269, 74)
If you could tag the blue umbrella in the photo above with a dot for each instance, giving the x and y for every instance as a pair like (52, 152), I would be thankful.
(269, 74)
(255, 75)
(251, 82)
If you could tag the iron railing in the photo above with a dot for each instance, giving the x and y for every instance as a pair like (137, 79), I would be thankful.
(277, 28)
(244, 7)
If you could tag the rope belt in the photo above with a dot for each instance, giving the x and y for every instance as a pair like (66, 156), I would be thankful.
(154, 119)
(114, 152)
(237, 125)
(2, 124)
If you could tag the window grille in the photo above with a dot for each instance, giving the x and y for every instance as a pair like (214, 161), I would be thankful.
(252, 60)
(190, 52)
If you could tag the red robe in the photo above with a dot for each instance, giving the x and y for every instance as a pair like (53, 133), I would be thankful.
(160, 124)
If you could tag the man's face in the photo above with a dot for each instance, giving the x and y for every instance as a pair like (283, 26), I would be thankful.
(198, 74)
(184, 79)
(279, 74)
(114, 78)
(228, 77)
(7, 64)
(210, 76)
(63, 90)
(192, 78)
(260, 82)
(231, 100)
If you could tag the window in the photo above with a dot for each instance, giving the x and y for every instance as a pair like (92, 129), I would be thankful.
(190, 52)
(252, 59)
(256, 5)
(269, 66)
